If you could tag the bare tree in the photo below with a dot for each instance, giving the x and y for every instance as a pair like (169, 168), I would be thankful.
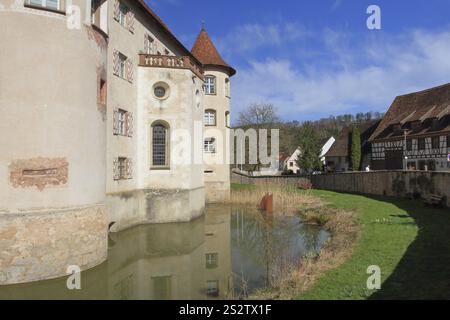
(258, 115)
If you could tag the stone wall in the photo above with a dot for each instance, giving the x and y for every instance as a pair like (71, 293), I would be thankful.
(264, 180)
(129, 209)
(39, 246)
(388, 183)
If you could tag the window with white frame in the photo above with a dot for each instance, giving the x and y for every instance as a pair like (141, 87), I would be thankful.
(209, 118)
(122, 122)
(212, 288)
(123, 14)
(50, 4)
(227, 119)
(122, 167)
(149, 45)
(210, 85)
(212, 260)
(210, 145)
(123, 66)
(227, 87)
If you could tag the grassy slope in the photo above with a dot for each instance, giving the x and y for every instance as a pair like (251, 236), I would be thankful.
(407, 241)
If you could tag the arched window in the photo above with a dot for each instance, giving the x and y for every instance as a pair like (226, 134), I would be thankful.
(160, 145)
(210, 85)
(227, 119)
(210, 117)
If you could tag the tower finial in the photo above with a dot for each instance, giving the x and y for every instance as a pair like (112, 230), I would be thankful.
(203, 25)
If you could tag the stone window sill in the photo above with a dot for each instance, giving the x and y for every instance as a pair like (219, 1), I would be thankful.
(27, 5)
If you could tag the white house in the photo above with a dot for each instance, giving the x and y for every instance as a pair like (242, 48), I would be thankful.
(291, 162)
(326, 147)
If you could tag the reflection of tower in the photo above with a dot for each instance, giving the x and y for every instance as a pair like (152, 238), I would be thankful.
(218, 273)
(216, 118)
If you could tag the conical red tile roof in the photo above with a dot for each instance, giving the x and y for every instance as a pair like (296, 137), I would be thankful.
(205, 51)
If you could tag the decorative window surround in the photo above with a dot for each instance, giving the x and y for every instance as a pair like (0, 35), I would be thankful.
(124, 16)
(123, 66)
(123, 123)
(122, 168)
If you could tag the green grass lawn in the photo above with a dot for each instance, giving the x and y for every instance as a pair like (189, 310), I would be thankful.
(409, 242)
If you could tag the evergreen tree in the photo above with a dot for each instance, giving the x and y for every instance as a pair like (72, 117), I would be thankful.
(355, 148)
(310, 148)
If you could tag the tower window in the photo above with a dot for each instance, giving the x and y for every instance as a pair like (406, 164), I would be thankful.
(210, 118)
(227, 119)
(210, 145)
(210, 85)
(227, 87)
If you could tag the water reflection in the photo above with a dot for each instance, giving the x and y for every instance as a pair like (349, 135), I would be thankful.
(228, 253)
(265, 248)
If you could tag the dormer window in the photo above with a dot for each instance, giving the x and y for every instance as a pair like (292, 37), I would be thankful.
(210, 85)
(397, 128)
(434, 124)
(416, 125)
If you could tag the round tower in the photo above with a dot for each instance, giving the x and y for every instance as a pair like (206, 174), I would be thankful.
(217, 113)
(52, 138)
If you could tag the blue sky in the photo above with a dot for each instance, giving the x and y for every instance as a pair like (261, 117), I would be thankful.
(312, 59)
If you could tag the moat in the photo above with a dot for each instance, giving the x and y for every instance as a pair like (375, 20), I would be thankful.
(228, 253)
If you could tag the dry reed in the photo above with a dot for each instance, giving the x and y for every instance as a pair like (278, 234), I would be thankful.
(293, 277)
(286, 199)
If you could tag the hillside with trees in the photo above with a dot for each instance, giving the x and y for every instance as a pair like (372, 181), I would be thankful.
(296, 133)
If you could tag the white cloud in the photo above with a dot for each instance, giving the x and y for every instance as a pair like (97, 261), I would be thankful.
(253, 36)
(394, 66)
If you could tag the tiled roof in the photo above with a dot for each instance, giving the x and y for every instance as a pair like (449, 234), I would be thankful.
(205, 51)
(419, 106)
(165, 29)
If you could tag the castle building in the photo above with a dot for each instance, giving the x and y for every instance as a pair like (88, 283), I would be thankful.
(105, 113)
(216, 118)
(415, 133)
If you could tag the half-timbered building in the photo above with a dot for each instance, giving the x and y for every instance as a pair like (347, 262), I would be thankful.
(415, 133)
